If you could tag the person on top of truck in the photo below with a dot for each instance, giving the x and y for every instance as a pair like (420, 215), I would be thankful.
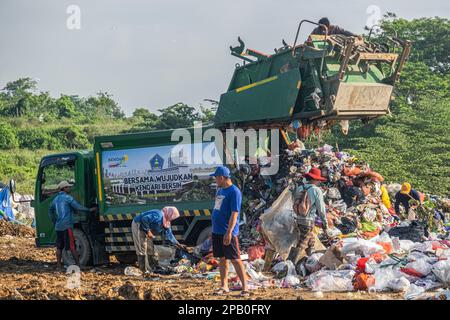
(61, 214)
(145, 227)
(332, 29)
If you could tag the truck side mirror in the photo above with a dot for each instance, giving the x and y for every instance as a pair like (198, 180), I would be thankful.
(12, 186)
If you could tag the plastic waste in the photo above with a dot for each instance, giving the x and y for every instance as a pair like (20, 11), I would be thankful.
(132, 271)
(290, 281)
(413, 292)
(363, 246)
(283, 269)
(420, 268)
(334, 193)
(313, 264)
(441, 270)
(327, 280)
(278, 226)
(384, 276)
(258, 264)
(399, 284)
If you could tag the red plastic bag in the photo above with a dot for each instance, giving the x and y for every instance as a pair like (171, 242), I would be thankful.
(363, 281)
(361, 265)
(255, 252)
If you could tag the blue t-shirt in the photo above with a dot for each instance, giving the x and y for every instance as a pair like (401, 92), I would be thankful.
(228, 200)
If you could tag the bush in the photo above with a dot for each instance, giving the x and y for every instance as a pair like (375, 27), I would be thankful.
(8, 138)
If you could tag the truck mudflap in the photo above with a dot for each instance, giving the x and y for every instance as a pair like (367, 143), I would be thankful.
(120, 239)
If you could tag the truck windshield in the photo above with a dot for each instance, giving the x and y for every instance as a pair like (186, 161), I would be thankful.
(53, 173)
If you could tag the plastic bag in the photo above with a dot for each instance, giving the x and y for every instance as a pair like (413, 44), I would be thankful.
(278, 224)
(283, 269)
(399, 284)
(413, 292)
(312, 264)
(326, 280)
(363, 281)
(132, 271)
(363, 246)
(290, 281)
(420, 268)
(384, 276)
(334, 193)
(441, 270)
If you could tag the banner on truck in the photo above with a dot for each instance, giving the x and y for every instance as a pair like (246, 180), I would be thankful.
(160, 174)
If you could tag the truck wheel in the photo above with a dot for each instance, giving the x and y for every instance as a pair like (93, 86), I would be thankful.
(126, 258)
(204, 235)
(83, 248)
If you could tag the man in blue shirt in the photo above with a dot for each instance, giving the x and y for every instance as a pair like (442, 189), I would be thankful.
(145, 227)
(225, 229)
(61, 214)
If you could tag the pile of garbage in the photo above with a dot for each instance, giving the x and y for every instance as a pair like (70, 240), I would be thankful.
(369, 247)
(15, 230)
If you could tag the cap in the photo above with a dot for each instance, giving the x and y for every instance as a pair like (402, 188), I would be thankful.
(222, 172)
(63, 184)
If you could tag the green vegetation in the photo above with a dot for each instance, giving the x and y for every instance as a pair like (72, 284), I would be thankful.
(413, 144)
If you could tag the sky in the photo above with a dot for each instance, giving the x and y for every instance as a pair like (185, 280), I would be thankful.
(155, 53)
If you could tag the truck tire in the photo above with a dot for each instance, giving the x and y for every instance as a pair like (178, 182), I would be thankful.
(83, 248)
(126, 258)
(206, 232)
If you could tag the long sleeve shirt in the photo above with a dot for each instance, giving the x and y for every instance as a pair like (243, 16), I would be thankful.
(403, 199)
(61, 211)
(153, 220)
(315, 195)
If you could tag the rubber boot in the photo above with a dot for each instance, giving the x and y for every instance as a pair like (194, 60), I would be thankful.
(294, 255)
(141, 263)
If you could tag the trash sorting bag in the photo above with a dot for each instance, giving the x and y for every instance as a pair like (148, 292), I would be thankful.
(278, 225)
(283, 269)
(327, 280)
(441, 270)
(312, 264)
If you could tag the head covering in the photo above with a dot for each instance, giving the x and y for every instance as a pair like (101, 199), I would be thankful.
(315, 174)
(63, 184)
(221, 172)
(169, 214)
(406, 188)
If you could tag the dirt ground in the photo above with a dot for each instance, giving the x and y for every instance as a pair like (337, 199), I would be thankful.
(27, 272)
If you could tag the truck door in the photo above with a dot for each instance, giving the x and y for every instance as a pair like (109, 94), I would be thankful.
(51, 172)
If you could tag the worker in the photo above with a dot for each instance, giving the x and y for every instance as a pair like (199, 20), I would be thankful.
(225, 229)
(332, 29)
(405, 194)
(305, 223)
(144, 229)
(61, 214)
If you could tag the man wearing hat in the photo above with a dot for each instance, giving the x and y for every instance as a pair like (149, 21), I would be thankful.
(405, 194)
(225, 228)
(61, 214)
(306, 222)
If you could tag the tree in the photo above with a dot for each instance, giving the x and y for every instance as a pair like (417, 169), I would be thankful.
(16, 95)
(104, 106)
(179, 115)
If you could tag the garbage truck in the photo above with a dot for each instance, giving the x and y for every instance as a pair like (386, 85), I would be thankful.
(328, 78)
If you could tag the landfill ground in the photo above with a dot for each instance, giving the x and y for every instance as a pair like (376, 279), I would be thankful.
(28, 272)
